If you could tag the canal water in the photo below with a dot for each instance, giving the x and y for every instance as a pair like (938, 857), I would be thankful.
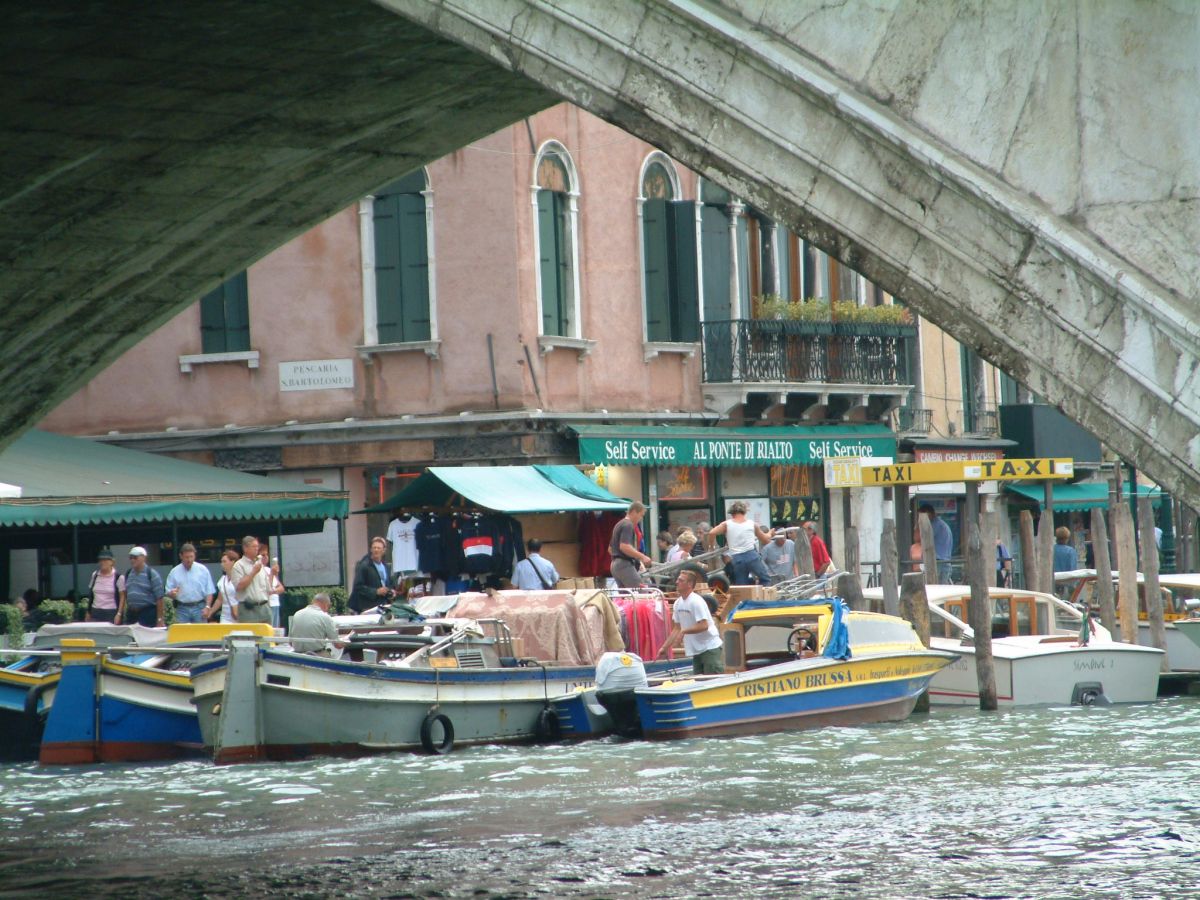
(1067, 802)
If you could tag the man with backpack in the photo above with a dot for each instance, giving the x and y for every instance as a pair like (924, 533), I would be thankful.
(142, 603)
(107, 590)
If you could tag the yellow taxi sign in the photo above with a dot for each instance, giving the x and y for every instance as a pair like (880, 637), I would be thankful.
(1039, 469)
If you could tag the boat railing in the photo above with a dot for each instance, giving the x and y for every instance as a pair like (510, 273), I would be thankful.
(807, 585)
(662, 571)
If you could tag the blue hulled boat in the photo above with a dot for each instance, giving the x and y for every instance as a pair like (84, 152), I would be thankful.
(790, 664)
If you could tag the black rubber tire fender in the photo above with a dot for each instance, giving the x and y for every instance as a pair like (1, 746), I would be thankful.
(427, 741)
(549, 728)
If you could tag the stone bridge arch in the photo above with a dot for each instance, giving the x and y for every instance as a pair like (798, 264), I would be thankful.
(1023, 175)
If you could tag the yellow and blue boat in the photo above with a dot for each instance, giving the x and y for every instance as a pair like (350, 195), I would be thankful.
(794, 664)
(127, 704)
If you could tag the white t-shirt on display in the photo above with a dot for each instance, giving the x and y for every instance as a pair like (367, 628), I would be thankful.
(403, 538)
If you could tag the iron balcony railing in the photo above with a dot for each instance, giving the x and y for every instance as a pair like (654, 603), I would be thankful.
(753, 350)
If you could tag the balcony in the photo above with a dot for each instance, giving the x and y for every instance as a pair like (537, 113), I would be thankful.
(816, 370)
(913, 421)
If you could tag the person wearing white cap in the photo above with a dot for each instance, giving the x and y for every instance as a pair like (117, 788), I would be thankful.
(142, 602)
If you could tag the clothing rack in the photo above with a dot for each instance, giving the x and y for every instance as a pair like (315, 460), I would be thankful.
(651, 594)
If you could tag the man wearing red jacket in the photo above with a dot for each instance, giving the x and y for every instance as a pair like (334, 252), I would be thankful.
(820, 553)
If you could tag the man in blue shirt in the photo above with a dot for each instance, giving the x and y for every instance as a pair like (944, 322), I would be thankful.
(534, 572)
(1066, 558)
(943, 542)
(191, 587)
(143, 600)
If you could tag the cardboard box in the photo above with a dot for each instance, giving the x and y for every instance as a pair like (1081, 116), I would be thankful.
(740, 592)
(550, 528)
(564, 556)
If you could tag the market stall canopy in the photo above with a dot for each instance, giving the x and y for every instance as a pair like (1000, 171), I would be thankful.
(74, 481)
(1080, 496)
(506, 489)
(782, 445)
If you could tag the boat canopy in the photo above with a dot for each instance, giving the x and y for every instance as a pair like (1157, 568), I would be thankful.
(503, 489)
(837, 644)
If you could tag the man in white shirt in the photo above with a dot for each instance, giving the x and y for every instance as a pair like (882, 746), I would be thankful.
(701, 639)
(534, 572)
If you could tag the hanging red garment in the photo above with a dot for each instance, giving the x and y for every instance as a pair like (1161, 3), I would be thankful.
(595, 531)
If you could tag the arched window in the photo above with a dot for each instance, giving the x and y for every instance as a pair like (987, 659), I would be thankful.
(399, 268)
(556, 193)
(669, 276)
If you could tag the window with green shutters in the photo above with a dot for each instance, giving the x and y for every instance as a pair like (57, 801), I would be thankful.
(225, 317)
(555, 261)
(556, 242)
(402, 262)
(672, 288)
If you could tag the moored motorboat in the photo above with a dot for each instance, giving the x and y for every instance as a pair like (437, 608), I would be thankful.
(447, 685)
(130, 703)
(1176, 589)
(791, 664)
(29, 683)
(1041, 652)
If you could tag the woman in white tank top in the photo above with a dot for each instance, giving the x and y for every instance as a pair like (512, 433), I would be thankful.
(743, 537)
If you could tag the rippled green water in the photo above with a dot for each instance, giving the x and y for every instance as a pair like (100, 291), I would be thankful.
(1101, 802)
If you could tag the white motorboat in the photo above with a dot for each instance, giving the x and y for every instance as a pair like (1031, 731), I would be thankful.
(1176, 589)
(1038, 655)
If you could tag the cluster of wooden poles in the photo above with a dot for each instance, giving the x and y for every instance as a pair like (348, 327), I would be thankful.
(905, 595)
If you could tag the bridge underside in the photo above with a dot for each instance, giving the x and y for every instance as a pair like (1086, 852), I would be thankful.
(151, 152)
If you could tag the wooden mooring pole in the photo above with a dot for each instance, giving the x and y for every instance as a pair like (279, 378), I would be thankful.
(850, 584)
(1029, 558)
(1154, 606)
(914, 607)
(1104, 585)
(980, 607)
(1127, 598)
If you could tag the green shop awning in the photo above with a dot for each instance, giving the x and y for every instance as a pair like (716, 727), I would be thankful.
(784, 445)
(73, 481)
(506, 489)
(1081, 496)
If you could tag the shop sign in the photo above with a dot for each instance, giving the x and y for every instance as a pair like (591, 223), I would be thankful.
(316, 375)
(926, 454)
(683, 483)
(728, 450)
(1043, 469)
(846, 471)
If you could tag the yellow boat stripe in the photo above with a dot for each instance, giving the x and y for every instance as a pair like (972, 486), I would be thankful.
(822, 678)
(179, 679)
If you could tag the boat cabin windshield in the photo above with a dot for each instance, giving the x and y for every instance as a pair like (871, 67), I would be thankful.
(1014, 615)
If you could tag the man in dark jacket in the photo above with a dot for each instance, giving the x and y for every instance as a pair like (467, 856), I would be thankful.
(370, 579)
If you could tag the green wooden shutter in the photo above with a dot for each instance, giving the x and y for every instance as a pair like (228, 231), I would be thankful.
(743, 252)
(655, 246)
(212, 322)
(966, 370)
(225, 317)
(714, 242)
(551, 246)
(414, 268)
(566, 280)
(685, 291)
(388, 309)
(237, 313)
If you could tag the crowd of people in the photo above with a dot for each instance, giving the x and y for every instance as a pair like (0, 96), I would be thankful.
(248, 591)
(752, 554)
